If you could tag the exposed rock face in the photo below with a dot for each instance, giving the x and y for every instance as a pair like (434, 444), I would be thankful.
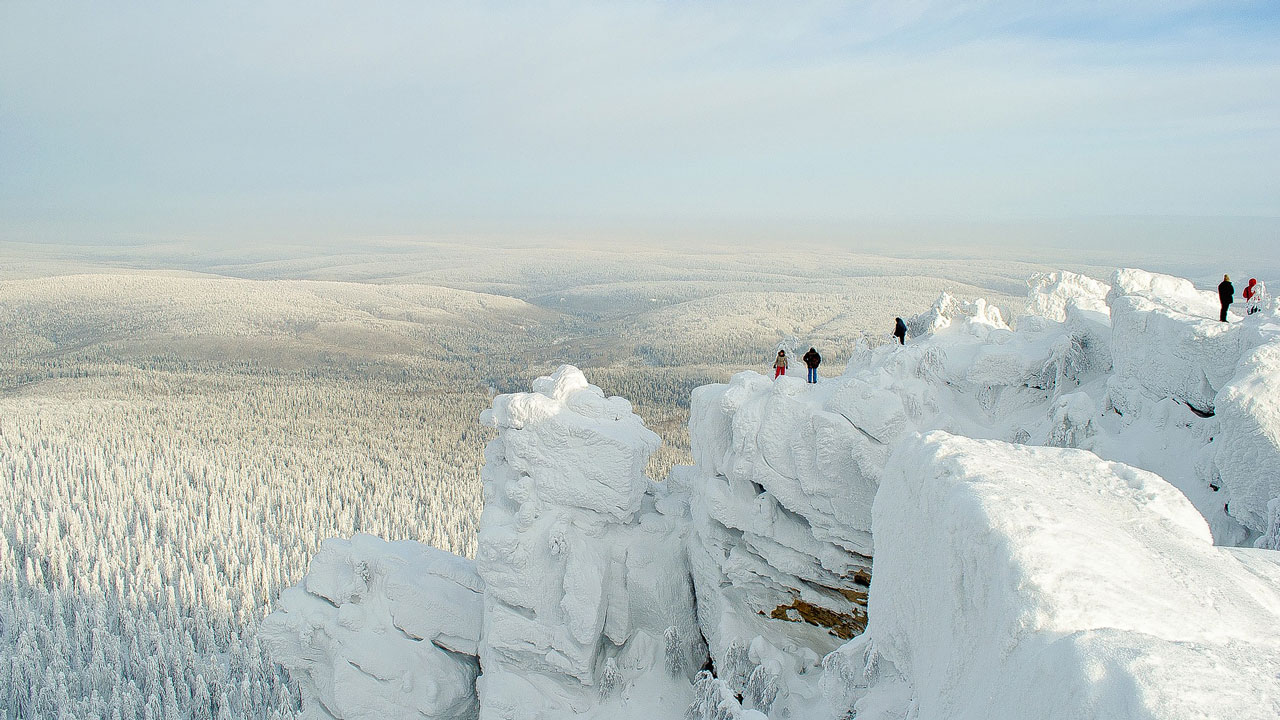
(588, 593)
(381, 630)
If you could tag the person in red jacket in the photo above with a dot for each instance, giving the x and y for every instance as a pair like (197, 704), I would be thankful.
(1254, 294)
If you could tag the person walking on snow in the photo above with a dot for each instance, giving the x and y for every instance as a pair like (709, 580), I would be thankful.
(900, 331)
(780, 365)
(1254, 294)
(811, 360)
(1226, 293)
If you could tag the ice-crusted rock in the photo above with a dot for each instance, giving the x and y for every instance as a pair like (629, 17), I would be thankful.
(786, 471)
(381, 630)
(1037, 582)
(1167, 341)
(782, 491)
(1051, 294)
(947, 309)
(587, 589)
(1247, 449)
(1271, 540)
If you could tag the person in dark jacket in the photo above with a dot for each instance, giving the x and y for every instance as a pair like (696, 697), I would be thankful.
(811, 360)
(900, 331)
(1226, 293)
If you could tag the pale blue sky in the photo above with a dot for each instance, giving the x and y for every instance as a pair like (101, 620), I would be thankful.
(296, 120)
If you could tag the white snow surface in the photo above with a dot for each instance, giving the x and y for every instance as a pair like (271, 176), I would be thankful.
(381, 630)
(1076, 579)
(1045, 583)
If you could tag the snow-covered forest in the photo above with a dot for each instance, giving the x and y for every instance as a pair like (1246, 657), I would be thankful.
(175, 443)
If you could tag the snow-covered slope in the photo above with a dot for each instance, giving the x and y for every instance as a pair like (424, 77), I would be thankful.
(1007, 581)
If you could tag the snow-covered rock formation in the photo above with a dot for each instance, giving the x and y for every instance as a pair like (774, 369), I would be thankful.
(1168, 342)
(781, 500)
(381, 630)
(1050, 294)
(1017, 582)
(588, 606)
(1074, 579)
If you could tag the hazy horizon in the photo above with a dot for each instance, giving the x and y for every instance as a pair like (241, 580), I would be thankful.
(863, 124)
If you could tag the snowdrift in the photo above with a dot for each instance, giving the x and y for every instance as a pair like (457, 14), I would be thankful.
(993, 521)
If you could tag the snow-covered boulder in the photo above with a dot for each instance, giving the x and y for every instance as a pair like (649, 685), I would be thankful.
(1036, 582)
(381, 630)
(1167, 341)
(588, 605)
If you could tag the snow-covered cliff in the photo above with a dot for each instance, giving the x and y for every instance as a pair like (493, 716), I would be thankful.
(1020, 582)
(888, 540)
(588, 606)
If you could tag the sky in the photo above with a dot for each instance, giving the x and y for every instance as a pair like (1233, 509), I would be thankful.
(329, 120)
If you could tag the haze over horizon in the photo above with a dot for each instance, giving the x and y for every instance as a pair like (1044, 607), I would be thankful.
(1150, 127)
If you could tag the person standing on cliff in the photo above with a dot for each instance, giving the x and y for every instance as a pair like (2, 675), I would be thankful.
(1254, 295)
(900, 331)
(812, 360)
(1226, 293)
(780, 365)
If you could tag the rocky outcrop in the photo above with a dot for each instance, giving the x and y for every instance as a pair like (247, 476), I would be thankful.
(588, 603)
(1246, 457)
(1167, 341)
(781, 497)
(982, 547)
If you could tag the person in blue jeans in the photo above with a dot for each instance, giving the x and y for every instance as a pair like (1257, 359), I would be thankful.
(811, 360)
